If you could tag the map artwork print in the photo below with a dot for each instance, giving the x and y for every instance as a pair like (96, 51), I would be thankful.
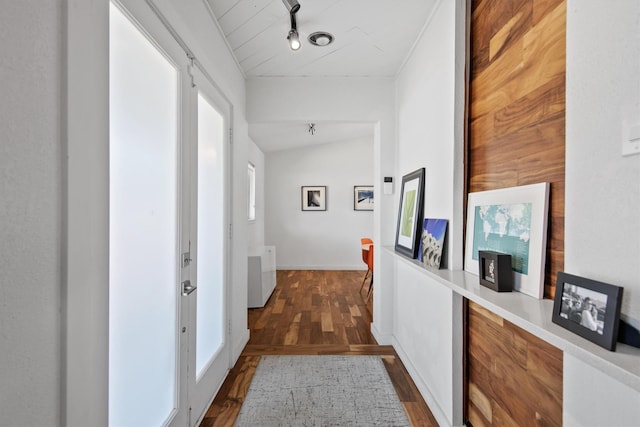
(506, 229)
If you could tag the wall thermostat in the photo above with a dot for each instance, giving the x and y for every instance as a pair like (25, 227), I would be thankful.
(388, 185)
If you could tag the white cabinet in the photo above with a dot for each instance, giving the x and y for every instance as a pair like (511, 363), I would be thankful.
(262, 275)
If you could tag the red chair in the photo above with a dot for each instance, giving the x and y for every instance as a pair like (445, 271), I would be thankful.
(367, 258)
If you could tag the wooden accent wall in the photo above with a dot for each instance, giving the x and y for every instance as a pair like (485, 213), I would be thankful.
(514, 378)
(516, 137)
(517, 106)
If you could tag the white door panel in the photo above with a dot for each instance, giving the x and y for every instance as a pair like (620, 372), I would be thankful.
(144, 214)
(210, 341)
(169, 216)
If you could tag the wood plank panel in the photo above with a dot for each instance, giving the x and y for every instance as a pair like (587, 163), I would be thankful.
(514, 378)
(517, 105)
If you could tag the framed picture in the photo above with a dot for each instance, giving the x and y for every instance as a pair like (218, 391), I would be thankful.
(588, 308)
(410, 210)
(314, 198)
(495, 271)
(363, 198)
(432, 242)
(512, 221)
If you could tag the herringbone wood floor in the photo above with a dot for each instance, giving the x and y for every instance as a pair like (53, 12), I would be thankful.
(313, 312)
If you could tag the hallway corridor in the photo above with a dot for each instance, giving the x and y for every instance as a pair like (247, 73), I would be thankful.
(313, 313)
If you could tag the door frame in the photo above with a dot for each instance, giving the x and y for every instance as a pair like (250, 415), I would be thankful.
(84, 130)
(202, 82)
(85, 270)
(153, 30)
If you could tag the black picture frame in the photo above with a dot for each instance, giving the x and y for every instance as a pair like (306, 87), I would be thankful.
(588, 308)
(314, 198)
(495, 271)
(410, 212)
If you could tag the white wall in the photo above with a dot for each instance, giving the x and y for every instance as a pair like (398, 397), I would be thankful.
(427, 338)
(30, 212)
(430, 94)
(602, 225)
(318, 240)
(256, 228)
(593, 399)
(351, 100)
(603, 90)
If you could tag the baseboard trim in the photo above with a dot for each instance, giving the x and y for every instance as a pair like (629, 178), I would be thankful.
(382, 339)
(237, 349)
(435, 408)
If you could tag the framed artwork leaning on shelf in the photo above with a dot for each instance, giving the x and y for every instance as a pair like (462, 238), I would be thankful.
(588, 308)
(409, 230)
(432, 242)
(512, 221)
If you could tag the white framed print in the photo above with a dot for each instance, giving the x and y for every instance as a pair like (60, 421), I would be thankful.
(511, 221)
(314, 198)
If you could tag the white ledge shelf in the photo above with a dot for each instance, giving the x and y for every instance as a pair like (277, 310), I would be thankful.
(534, 316)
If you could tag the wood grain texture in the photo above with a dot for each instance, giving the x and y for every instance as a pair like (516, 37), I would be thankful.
(314, 313)
(517, 106)
(516, 136)
(514, 378)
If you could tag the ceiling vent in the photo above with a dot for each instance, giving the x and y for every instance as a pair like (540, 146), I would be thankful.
(320, 38)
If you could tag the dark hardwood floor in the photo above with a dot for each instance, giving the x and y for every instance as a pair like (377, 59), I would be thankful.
(313, 312)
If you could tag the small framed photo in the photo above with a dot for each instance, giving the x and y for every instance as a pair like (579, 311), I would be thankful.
(314, 198)
(495, 271)
(363, 198)
(588, 308)
(432, 242)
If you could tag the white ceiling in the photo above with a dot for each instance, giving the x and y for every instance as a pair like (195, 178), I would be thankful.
(291, 135)
(372, 39)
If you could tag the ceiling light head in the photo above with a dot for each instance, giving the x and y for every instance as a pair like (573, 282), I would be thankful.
(320, 38)
(294, 39)
(292, 5)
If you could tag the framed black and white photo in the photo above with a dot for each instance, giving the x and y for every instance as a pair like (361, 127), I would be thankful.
(409, 228)
(314, 198)
(363, 198)
(588, 308)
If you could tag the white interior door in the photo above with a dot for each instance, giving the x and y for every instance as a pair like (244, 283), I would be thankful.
(147, 364)
(169, 222)
(208, 339)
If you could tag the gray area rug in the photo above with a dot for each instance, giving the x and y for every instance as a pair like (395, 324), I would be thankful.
(321, 391)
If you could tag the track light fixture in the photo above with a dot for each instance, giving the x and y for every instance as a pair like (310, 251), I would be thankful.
(294, 39)
(292, 5)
